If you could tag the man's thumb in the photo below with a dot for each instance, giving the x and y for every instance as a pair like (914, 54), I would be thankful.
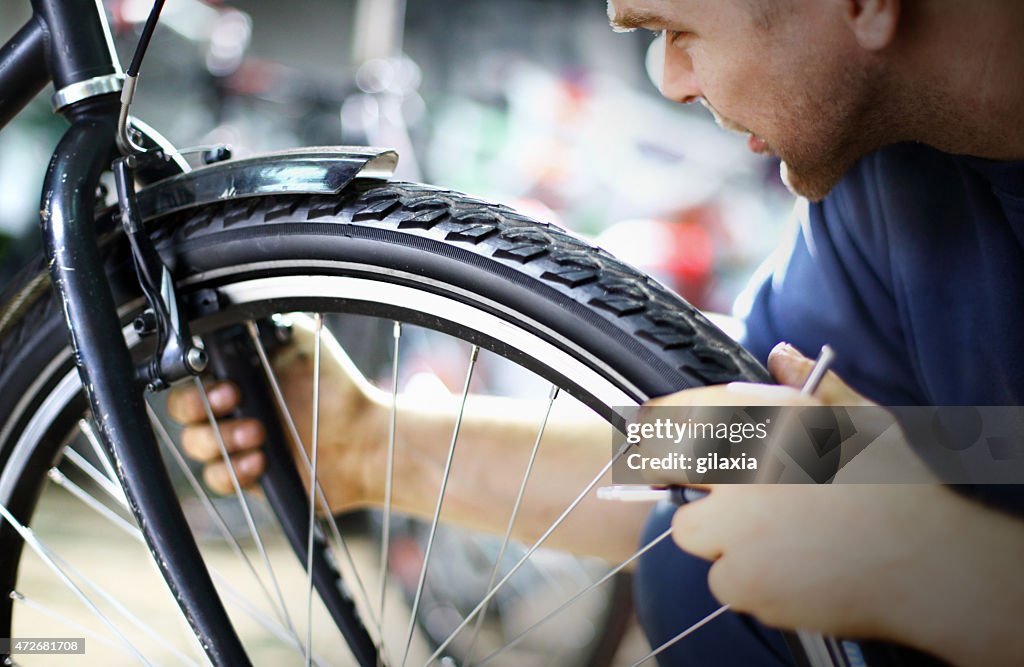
(789, 367)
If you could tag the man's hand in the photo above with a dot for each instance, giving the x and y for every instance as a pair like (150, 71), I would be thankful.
(789, 368)
(836, 559)
(352, 430)
(915, 564)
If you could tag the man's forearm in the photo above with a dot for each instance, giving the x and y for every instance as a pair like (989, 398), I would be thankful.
(494, 444)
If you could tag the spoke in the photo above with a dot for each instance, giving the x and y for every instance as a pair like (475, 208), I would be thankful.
(85, 426)
(121, 609)
(685, 633)
(44, 553)
(231, 592)
(389, 475)
(40, 608)
(568, 603)
(110, 487)
(552, 395)
(131, 529)
(242, 501)
(265, 621)
(473, 356)
(211, 510)
(300, 451)
(529, 552)
(58, 478)
(319, 319)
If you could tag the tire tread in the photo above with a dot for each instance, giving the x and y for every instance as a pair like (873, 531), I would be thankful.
(657, 318)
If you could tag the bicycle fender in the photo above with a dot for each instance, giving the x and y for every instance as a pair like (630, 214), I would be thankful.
(308, 170)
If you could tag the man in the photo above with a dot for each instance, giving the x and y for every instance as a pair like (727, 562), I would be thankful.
(908, 261)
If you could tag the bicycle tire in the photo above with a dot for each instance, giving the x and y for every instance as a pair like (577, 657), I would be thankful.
(618, 324)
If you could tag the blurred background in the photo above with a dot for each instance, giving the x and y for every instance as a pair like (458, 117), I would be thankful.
(533, 103)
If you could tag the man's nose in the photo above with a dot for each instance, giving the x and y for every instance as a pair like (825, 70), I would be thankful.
(679, 81)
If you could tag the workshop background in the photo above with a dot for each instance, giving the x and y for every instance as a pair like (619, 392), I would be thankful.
(533, 103)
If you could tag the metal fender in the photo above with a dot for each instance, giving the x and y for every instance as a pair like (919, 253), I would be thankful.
(309, 170)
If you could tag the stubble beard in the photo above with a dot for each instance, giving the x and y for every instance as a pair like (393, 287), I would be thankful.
(837, 128)
(815, 180)
(828, 133)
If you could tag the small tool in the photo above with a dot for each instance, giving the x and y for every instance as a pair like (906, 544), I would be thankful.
(681, 495)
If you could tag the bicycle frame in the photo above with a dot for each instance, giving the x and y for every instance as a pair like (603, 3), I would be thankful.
(68, 42)
(28, 61)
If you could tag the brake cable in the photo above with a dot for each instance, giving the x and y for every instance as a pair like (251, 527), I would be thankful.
(175, 355)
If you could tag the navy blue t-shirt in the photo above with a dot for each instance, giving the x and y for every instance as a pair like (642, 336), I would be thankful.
(912, 269)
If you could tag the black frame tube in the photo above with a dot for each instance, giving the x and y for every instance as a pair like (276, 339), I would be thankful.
(68, 41)
(23, 70)
(77, 34)
(65, 41)
(107, 372)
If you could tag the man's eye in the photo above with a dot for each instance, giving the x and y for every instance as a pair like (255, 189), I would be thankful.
(669, 36)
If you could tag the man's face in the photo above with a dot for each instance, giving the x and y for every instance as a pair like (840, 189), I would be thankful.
(786, 72)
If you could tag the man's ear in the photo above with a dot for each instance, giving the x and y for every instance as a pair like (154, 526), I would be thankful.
(873, 21)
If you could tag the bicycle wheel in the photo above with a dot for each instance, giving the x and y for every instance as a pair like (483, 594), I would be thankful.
(476, 272)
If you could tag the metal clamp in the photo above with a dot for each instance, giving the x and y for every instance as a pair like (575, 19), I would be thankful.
(83, 90)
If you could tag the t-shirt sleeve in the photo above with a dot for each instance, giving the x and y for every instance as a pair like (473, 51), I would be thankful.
(831, 283)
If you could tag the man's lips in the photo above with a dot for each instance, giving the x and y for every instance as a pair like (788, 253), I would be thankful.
(757, 144)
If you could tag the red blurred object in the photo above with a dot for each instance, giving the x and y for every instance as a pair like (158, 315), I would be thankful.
(680, 252)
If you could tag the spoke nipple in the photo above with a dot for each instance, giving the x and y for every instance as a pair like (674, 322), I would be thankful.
(15, 595)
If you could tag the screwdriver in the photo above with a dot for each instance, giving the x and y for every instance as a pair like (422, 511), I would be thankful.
(681, 495)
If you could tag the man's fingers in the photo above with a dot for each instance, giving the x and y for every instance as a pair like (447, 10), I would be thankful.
(742, 394)
(185, 405)
(788, 366)
(248, 467)
(791, 368)
(200, 442)
(693, 530)
(722, 583)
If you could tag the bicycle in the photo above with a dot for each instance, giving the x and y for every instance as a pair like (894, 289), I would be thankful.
(216, 252)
